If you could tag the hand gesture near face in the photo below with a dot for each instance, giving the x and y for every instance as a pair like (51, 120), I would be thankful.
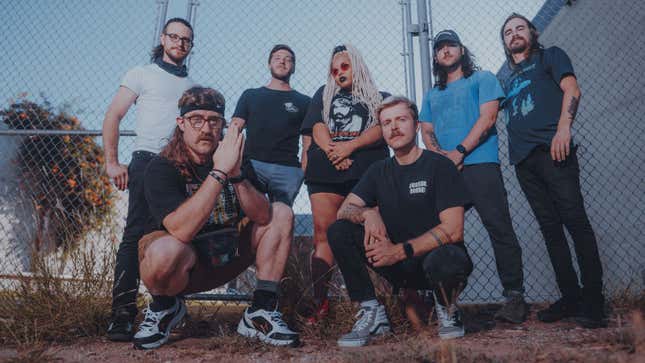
(228, 155)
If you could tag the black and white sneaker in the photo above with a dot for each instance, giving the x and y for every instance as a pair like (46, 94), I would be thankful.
(121, 326)
(268, 327)
(155, 328)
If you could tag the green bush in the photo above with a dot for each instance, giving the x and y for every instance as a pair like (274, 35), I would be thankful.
(62, 174)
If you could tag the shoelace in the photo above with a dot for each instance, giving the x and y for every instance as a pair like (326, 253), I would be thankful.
(363, 320)
(150, 321)
(276, 317)
(444, 319)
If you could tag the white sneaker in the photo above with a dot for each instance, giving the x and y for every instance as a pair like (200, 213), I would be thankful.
(372, 321)
(449, 319)
(267, 326)
(155, 328)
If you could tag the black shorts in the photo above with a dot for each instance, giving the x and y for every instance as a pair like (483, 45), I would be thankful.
(342, 189)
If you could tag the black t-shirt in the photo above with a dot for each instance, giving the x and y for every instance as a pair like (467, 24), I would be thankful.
(166, 189)
(534, 101)
(410, 197)
(347, 121)
(273, 120)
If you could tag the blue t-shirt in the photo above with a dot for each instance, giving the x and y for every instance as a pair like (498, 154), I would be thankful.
(454, 111)
(534, 101)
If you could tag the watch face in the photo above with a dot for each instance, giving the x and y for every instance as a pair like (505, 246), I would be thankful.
(461, 149)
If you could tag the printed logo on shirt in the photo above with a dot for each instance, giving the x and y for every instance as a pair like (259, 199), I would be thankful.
(290, 107)
(418, 187)
(521, 102)
(225, 211)
(345, 123)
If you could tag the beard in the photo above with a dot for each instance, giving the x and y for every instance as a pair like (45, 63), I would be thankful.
(448, 68)
(281, 77)
(177, 60)
(520, 47)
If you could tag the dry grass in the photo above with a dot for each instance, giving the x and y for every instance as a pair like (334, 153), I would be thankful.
(44, 307)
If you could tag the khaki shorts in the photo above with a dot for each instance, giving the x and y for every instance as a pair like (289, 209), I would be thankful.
(204, 276)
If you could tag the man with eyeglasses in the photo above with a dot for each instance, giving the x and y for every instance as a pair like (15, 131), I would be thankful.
(272, 115)
(155, 88)
(208, 225)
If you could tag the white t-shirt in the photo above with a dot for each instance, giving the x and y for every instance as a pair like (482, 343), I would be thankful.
(157, 94)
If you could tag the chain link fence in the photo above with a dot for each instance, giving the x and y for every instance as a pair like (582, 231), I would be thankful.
(76, 62)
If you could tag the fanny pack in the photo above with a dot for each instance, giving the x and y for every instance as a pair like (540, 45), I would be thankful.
(217, 248)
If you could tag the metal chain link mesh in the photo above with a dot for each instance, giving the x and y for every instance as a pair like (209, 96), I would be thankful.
(77, 60)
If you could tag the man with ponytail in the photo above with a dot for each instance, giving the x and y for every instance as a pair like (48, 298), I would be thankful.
(155, 88)
(208, 225)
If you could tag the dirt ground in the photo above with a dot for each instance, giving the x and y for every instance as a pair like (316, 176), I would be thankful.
(209, 336)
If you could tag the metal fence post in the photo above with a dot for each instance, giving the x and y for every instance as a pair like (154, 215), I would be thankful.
(424, 52)
(162, 9)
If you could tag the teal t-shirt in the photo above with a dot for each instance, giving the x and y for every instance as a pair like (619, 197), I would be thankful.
(454, 111)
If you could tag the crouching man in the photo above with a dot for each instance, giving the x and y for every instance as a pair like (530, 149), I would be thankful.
(405, 220)
(208, 225)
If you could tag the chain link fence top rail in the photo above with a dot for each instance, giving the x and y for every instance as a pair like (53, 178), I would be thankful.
(85, 61)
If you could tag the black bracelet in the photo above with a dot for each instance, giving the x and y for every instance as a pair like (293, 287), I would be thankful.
(221, 171)
(217, 177)
(236, 179)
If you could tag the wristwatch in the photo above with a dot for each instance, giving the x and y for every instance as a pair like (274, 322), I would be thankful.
(409, 250)
(461, 149)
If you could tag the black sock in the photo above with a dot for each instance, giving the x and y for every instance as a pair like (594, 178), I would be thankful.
(161, 302)
(265, 296)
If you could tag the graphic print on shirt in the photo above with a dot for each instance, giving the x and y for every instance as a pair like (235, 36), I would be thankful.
(345, 123)
(225, 210)
(290, 107)
(418, 187)
(521, 102)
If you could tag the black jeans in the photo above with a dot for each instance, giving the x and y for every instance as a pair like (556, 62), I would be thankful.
(553, 191)
(448, 266)
(126, 269)
(486, 187)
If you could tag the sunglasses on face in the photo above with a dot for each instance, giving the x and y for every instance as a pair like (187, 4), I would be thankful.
(343, 68)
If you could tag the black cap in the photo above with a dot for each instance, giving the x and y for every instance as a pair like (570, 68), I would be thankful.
(445, 36)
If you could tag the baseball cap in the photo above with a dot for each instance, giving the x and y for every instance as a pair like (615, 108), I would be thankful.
(445, 36)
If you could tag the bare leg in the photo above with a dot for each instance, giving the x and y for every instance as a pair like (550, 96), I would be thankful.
(166, 264)
(272, 243)
(324, 207)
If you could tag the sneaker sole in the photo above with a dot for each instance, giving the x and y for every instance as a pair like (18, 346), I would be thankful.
(173, 323)
(453, 335)
(383, 330)
(248, 332)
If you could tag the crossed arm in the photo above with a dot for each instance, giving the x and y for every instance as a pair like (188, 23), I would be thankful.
(381, 251)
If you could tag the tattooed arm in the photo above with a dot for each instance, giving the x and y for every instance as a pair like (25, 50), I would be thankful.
(354, 210)
(562, 140)
(429, 138)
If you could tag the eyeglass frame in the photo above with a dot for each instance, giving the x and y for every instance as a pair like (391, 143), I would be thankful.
(204, 120)
(175, 38)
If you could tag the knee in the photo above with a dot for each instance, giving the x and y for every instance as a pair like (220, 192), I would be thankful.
(163, 260)
(282, 215)
(447, 264)
(337, 231)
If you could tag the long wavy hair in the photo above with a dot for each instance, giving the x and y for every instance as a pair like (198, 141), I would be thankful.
(534, 44)
(468, 66)
(157, 51)
(363, 87)
(176, 150)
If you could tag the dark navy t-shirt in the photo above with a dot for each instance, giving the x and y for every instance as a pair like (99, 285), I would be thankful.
(534, 101)
(410, 197)
(273, 120)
